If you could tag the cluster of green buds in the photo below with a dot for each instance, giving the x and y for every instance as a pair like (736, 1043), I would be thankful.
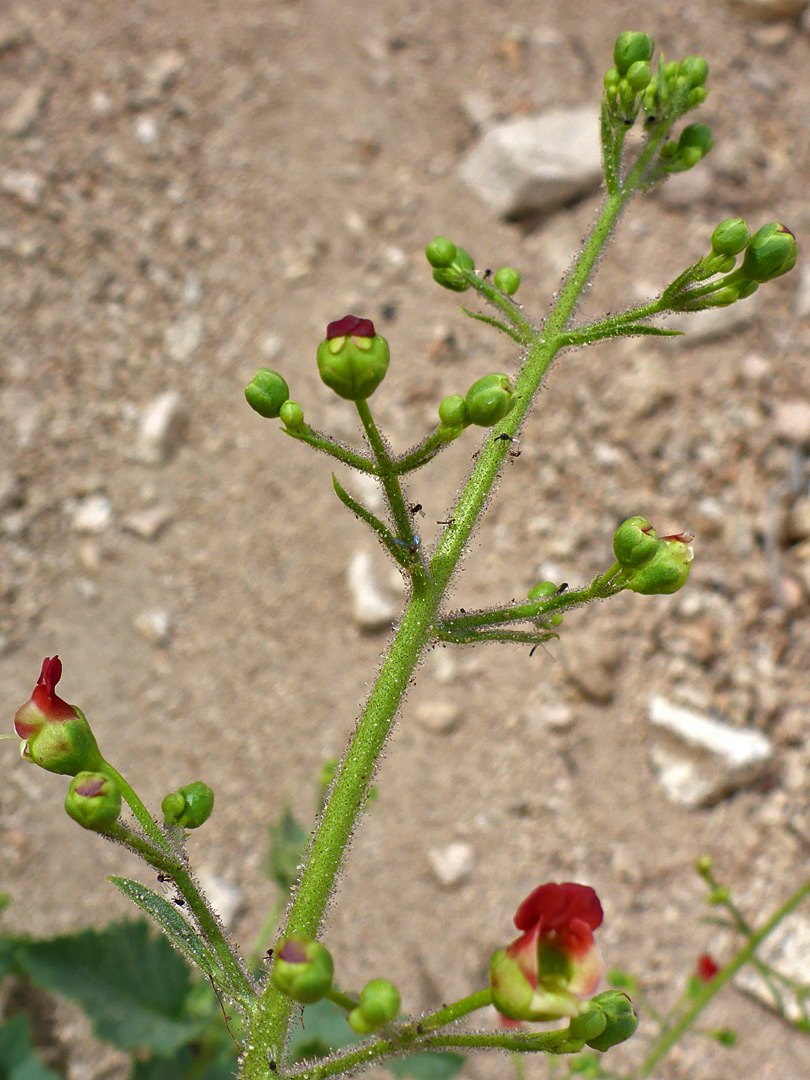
(452, 266)
(541, 591)
(630, 76)
(771, 252)
(304, 970)
(189, 807)
(485, 404)
(268, 394)
(651, 564)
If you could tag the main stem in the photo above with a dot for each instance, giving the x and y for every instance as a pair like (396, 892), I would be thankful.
(269, 1024)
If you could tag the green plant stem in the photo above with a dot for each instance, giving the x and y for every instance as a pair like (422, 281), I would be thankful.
(502, 637)
(269, 1021)
(150, 827)
(334, 449)
(343, 1001)
(400, 553)
(448, 1014)
(423, 453)
(668, 1038)
(388, 476)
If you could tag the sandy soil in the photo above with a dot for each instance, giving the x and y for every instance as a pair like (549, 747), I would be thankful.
(208, 185)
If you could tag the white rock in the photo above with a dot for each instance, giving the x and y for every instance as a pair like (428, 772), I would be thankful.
(801, 298)
(23, 114)
(148, 523)
(372, 607)
(26, 187)
(146, 130)
(271, 346)
(154, 626)
(453, 864)
(226, 899)
(724, 757)
(162, 72)
(536, 164)
(183, 337)
(92, 514)
(477, 108)
(791, 420)
(439, 716)
(162, 428)
(553, 716)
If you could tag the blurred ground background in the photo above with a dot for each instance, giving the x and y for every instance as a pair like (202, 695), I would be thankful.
(190, 190)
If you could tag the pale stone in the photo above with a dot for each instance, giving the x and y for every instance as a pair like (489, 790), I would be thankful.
(372, 607)
(226, 899)
(162, 428)
(92, 514)
(791, 420)
(183, 337)
(453, 864)
(26, 187)
(148, 523)
(154, 626)
(439, 716)
(23, 114)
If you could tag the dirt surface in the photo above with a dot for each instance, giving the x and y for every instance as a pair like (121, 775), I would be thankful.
(204, 186)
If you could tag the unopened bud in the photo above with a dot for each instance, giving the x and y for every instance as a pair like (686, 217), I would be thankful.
(639, 75)
(378, 1005)
(694, 143)
(489, 400)
(620, 1019)
(771, 252)
(352, 359)
(291, 415)
(694, 69)
(266, 393)
(667, 570)
(303, 969)
(57, 736)
(730, 237)
(189, 806)
(440, 252)
(541, 590)
(452, 276)
(635, 542)
(94, 801)
(453, 411)
(630, 48)
(507, 280)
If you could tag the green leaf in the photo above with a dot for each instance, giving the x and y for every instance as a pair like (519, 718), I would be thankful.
(324, 1028)
(287, 841)
(17, 1058)
(181, 934)
(185, 1063)
(132, 986)
(428, 1065)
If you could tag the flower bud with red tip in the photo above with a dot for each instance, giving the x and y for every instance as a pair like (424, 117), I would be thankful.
(303, 969)
(668, 569)
(353, 359)
(56, 735)
(94, 801)
(545, 973)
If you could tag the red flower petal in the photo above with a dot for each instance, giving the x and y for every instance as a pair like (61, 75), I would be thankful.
(707, 967)
(45, 697)
(554, 906)
(350, 324)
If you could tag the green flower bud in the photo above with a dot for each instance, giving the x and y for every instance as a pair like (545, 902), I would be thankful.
(694, 69)
(512, 993)
(541, 590)
(588, 1025)
(771, 252)
(190, 806)
(627, 94)
(94, 801)
(639, 75)
(704, 864)
(696, 97)
(489, 400)
(667, 570)
(620, 1019)
(453, 411)
(440, 252)
(448, 434)
(303, 969)
(507, 280)
(352, 359)
(378, 1005)
(266, 393)
(694, 143)
(292, 415)
(730, 237)
(450, 277)
(611, 81)
(671, 71)
(630, 48)
(635, 542)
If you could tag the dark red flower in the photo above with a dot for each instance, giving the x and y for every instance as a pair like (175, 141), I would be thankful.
(707, 967)
(44, 705)
(350, 326)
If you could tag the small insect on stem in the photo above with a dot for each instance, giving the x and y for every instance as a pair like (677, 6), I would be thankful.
(412, 548)
(503, 437)
(415, 508)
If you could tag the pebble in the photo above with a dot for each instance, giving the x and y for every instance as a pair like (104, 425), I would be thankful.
(439, 716)
(791, 420)
(226, 899)
(24, 186)
(146, 130)
(372, 607)
(92, 514)
(162, 428)
(453, 864)
(801, 297)
(536, 164)
(183, 337)
(154, 626)
(477, 108)
(25, 111)
(770, 10)
(160, 75)
(726, 757)
(555, 716)
(594, 670)
(148, 523)
(271, 347)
